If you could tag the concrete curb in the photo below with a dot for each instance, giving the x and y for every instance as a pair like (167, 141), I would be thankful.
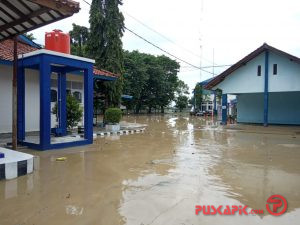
(15, 164)
(121, 132)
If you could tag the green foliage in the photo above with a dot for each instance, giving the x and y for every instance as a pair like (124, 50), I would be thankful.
(198, 96)
(79, 36)
(151, 80)
(74, 111)
(181, 102)
(105, 44)
(30, 36)
(219, 95)
(113, 115)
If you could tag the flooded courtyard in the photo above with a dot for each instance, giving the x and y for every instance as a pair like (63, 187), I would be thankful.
(160, 175)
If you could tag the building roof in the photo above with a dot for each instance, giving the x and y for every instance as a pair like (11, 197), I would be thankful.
(49, 52)
(6, 54)
(21, 16)
(205, 82)
(98, 72)
(7, 48)
(265, 47)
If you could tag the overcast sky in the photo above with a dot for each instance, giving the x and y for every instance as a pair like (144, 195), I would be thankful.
(231, 29)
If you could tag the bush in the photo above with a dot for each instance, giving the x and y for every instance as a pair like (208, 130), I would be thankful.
(74, 111)
(113, 115)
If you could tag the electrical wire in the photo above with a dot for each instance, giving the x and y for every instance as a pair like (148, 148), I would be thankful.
(161, 49)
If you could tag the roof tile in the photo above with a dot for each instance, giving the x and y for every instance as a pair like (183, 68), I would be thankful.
(6, 53)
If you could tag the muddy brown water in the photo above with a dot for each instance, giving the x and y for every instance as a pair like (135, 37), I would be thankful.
(157, 177)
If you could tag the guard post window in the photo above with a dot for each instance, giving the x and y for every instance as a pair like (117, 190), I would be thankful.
(274, 69)
(259, 70)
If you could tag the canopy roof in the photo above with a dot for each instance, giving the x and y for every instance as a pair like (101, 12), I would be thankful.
(21, 16)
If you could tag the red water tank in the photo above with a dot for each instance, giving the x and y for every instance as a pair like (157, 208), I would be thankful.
(57, 41)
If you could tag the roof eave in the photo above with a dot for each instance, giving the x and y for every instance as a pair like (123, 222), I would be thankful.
(218, 79)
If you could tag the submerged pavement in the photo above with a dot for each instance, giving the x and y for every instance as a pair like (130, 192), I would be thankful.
(159, 176)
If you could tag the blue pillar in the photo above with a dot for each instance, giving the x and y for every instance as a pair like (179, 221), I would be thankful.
(45, 106)
(21, 104)
(62, 102)
(266, 90)
(224, 109)
(88, 104)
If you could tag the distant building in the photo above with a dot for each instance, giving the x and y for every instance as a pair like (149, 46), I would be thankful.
(267, 85)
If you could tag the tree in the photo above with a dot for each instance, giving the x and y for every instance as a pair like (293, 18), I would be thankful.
(169, 81)
(182, 88)
(135, 79)
(181, 102)
(198, 96)
(105, 44)
(151, 80)
(79, 36)
(29, 36)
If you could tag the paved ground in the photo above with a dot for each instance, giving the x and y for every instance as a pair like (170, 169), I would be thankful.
(157, 177)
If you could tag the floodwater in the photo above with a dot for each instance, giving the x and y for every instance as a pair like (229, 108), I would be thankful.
(159, 176)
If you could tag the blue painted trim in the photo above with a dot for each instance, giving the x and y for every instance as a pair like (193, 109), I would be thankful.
(88, 103)
(56, 146)
(45, 109)
(28, 41)
(224, 109)
(43, 63)
(102, 77)
(266, 89)
(75, 64)
(21, 104)
(5, 62)
(127, 97)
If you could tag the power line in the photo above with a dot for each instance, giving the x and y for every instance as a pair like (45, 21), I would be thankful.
(156, 46)
(166, 38)
(161, 35)
(206, 67)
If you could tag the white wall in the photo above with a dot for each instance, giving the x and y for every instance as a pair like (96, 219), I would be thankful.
(5, 99)
(288, 74)
(245, 79)
(32, 100)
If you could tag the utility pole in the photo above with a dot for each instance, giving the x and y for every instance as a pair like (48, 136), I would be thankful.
(213, 68)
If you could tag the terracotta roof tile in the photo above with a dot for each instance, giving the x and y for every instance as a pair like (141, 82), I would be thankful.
(104, 73)
(6, 53)
(7, 46)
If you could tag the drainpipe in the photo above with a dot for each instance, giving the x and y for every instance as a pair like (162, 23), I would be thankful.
(266, 89)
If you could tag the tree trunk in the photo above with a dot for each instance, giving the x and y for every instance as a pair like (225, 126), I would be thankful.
(137, 108)
(162, 109)
(149, 110)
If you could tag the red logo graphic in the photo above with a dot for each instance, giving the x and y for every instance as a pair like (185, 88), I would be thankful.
(277, 201)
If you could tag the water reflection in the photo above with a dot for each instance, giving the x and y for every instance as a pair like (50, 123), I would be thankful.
(157, 177)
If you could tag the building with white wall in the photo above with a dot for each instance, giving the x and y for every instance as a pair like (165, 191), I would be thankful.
(267, 85)
(30, 95)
